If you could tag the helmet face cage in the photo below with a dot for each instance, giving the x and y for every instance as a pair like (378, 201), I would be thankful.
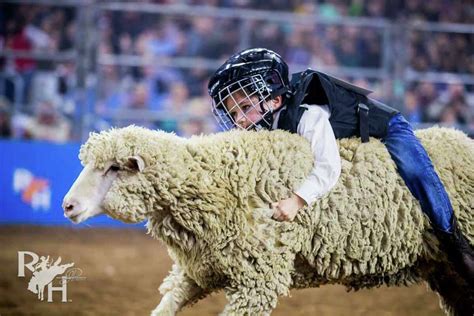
(254, 91)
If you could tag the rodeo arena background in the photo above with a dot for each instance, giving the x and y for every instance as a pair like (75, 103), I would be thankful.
(72, 68)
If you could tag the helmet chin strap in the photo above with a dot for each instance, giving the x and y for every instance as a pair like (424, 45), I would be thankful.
(266, 121)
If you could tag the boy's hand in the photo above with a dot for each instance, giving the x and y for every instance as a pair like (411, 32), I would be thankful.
(286, 210)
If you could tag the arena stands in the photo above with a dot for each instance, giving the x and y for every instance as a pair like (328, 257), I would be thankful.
(75, 67)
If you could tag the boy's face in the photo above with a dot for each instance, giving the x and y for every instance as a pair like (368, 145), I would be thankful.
(247, 111)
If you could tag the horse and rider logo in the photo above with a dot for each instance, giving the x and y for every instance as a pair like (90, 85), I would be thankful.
(45, 271)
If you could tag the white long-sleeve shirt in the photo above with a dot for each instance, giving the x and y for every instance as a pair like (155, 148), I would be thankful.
(315, 127)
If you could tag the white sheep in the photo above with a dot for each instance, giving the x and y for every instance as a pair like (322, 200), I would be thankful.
(207, 199)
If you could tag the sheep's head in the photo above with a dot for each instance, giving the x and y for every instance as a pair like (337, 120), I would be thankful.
(114, 179)
(98, 191)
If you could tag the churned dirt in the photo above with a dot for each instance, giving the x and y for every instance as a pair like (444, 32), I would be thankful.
(124, 267)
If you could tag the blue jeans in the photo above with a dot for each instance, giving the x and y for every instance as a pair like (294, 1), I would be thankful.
(416, 169)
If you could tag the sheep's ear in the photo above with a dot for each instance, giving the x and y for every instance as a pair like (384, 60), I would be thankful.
(135, 163)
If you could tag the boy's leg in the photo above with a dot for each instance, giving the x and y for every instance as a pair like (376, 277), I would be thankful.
(416, 169)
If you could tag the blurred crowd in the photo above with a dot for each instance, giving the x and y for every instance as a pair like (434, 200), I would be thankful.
(38, 97)
(35, 102)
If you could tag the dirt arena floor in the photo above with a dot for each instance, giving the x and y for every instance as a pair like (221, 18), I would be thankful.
(123, 269)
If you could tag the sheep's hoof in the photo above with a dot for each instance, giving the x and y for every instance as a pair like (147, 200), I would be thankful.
(162, 312)
(167, 307)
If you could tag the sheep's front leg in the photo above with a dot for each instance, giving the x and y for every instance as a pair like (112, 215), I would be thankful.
(178, 290)
(254, 300)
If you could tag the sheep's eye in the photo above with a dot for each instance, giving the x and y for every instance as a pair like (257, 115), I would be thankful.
(113, 168)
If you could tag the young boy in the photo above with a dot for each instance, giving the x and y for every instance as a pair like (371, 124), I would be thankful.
(251, 90)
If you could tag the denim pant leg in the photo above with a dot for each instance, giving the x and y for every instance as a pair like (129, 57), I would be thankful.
(416, 169)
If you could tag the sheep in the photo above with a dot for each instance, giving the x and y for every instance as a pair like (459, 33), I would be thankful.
(207, 199)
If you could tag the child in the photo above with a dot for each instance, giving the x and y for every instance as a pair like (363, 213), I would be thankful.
(251, 90)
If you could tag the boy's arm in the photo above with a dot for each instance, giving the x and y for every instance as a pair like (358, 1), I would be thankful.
(315, 127)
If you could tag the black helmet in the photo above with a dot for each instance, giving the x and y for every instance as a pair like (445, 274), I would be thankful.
(256, 72)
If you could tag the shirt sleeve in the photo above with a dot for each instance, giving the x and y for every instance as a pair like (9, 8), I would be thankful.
(315, 127)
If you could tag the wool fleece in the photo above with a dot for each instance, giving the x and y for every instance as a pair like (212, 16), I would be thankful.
(207, 199)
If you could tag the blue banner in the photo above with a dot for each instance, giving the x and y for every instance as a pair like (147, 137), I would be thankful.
(34, 177)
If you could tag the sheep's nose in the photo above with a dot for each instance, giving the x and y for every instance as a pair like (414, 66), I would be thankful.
(69, 205)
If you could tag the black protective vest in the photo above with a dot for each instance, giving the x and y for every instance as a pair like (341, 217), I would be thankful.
(352, 112)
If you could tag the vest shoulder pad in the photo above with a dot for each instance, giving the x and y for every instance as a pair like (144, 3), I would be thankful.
(349, 86)
(297, 77)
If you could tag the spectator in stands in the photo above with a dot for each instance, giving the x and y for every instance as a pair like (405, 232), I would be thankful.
(25, 67)
(347, 48)
(139, 100)
(412, 110)
(298, 46)
(197, 120)
(451, 106)
(48, 123)
(5, 118)
(268, 32)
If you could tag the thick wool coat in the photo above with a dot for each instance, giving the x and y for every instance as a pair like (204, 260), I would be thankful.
(207, 199)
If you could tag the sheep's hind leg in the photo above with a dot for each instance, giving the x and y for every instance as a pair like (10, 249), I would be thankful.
(456, 297)
(178, 291)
